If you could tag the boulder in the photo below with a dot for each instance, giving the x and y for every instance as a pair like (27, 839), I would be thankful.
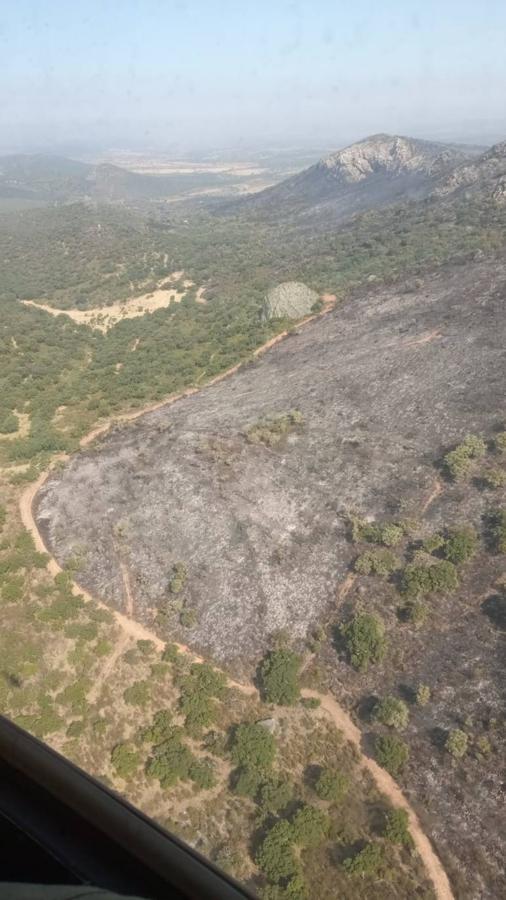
(291, 299)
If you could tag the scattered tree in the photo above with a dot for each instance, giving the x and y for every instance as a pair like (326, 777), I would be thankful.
(275, 857)
(253, 747)
(279, 676)
(125, 760)
(461, 544)
(376, 562)
(310, 826)
(365, 640)
(456, 743)
(366, 862)
(178, 578)
(392, 711)
(275, 794)
(332, 786)
(137, 694)
(397, 828)
(391, 752)
(459, 462)
(246, 782)
(423, 694)
(438, 577)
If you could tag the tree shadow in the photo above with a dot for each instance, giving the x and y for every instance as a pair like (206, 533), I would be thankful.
(494, 607)
(407, 692)
(312, 774)
(366, 707)
(438, 737)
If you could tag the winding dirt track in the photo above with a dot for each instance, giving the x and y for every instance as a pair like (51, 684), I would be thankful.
(384, 782)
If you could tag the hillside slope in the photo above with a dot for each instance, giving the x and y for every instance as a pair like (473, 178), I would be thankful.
(242, 492)
(369, 174)
(485, 175)
(351, 375)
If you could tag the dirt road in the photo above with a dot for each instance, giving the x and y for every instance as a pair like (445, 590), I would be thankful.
(386, 784)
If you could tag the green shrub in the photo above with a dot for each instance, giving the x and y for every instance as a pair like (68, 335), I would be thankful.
(188, 617)
(416, 612)
(199, 711)
(459, 462)
(8, 422)
(279, 677)
(276, 858)
(366, 862)
(423, 694)
(137, 694)
(392, 711)
(433, 543)
(275, 794)
(13, 589)
(310, 826)
(332, 786)
(199, 687)
(461, 544)
(160, 729)
(271, 431)
(75, 694)
(246, 782)
(439, 577)
(125, 760)
(47, 723)
(171, 761)
(178, 578)
(83, 631)
(392, 534)
(61, 610)
(145, 648)
(376, 562)
(102, 647)
(201, 772)
(391, 752)
(500, 442)
(310, 702)
(76, 728)
(365, 640)
(456, 743)
(170, 653)
(397, 828)
(494, 478)
(253, 747)
(388, 533)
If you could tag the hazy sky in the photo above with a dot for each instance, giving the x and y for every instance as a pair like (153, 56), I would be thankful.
(204, 72)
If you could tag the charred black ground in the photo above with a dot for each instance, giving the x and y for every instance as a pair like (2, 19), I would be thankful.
(384, 385)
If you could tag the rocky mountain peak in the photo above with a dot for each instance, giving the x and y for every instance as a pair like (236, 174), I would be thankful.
(388, 154)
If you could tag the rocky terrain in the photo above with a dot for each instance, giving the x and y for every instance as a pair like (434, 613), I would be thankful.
(485, 175)
(369, 174)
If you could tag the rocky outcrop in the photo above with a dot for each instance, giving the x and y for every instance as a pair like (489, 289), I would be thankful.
(485, 173)
(378, 171)
(291, 300)
(387, 154)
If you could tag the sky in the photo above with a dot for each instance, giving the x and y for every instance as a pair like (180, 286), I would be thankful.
(200, 74)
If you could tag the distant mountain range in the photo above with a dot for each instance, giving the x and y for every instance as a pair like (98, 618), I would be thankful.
(378, 171)
(51, 179)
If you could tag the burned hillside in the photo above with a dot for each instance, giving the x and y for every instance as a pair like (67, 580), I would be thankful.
(221, 518)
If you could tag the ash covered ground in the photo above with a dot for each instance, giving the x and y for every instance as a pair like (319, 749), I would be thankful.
(385, 384)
